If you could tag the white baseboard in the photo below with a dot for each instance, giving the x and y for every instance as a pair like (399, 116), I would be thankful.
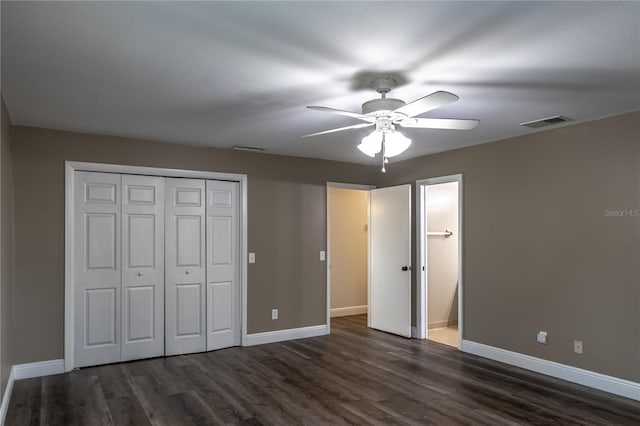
(588, 378)
(289, 334)
(6, 397)
(442, 324)
(349, 310)
(28, 371)
(38, 369)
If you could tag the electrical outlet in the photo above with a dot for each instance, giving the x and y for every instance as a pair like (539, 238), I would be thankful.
(577, 346)
(323, 256)
(274, 314)
(252, 258)
(542, 337)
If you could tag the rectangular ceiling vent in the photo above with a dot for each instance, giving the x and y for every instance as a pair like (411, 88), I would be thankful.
(543, 122)
(248, 148)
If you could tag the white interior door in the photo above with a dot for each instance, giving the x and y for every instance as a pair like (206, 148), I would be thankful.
(185, 315)
(142, 267)
(96, 268)
(390, 260)
(223, 288)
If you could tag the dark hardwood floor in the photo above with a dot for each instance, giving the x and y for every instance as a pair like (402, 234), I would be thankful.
(354, 376)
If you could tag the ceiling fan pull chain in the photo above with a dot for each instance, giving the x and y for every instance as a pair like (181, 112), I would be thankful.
(384, 154)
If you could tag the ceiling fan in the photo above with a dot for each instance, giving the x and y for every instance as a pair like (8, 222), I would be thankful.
(387, 113)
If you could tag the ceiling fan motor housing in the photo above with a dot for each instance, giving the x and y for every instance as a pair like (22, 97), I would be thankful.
(381, 106)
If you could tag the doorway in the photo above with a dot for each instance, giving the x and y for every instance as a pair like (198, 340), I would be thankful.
(347, 249)
(388, 254)
(439, 241)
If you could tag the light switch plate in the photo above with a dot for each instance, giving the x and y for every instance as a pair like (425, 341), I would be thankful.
(252, 258)
(323, 256)
(274, 314)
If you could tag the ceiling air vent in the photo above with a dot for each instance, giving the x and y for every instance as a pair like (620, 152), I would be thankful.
(248, 148)
(543, 122)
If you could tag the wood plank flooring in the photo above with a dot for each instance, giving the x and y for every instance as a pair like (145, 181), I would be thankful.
(354, 376)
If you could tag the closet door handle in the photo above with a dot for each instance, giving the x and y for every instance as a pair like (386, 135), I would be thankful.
(139, 274)
(187, 272)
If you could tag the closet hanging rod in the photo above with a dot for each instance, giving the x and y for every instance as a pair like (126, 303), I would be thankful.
(446, 233)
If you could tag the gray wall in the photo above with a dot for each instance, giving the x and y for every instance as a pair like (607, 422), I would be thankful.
(287, 227)
(348, 227)
(442, 254)
(6, 246)
(540, 253)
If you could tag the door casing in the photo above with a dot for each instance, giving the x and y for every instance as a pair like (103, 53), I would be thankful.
(72, 166)
(421, 254)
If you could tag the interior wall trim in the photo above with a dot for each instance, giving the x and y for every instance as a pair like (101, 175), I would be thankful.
(37, 369)
(348, 310)
(6, 397)
(288, 334)
(442, 324)
(28, 371)
(594, 380)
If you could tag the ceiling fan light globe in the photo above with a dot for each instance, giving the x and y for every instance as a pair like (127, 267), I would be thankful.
(395, 144)
(371, 144)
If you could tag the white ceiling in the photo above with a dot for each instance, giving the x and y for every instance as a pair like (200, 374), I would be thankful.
(220, 74)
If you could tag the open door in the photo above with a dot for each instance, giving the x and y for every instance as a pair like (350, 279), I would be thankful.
(390, 260)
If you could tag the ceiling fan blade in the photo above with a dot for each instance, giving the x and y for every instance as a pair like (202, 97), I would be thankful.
(341, 112)
(355, 126)
(439, 123)
(429, 102)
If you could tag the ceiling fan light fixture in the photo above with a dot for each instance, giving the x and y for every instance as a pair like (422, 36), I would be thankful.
(387, 113)
(395, 143)
(371, 144)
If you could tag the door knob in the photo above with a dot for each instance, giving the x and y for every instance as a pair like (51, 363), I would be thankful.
(187, 272)
(139, 274)
(406, 268)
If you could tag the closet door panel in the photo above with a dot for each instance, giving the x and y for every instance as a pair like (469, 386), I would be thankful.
(100, 314)
(97, 268)
(141, 318)
(143, 266)
(223, 287)
(188, 321)
(219, 309)
(188, 240)
(185, 321)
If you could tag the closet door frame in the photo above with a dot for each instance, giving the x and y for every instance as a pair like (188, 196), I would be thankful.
(73, 166)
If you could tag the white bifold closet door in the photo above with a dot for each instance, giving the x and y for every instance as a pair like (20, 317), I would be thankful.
(185, 307)
(119, 267)
(223, 255)
(156, 266)
(97, 278)
(142, 267)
